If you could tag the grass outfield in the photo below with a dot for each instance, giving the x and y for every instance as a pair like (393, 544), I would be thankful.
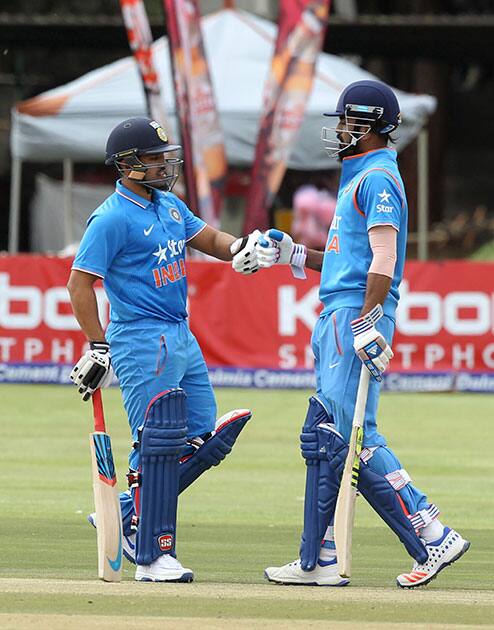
(237, 519)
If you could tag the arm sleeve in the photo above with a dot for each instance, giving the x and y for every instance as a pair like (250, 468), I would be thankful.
(193, 224)
(382, 239)
(381, 199)
(105, 236)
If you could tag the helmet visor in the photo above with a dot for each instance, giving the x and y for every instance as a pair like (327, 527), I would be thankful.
(162, 148)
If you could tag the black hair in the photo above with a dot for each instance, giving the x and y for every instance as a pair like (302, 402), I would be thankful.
(377, 125)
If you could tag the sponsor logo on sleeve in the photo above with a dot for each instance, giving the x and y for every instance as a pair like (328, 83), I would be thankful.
(383, 206)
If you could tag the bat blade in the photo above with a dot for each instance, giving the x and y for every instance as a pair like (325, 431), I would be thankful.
(347, 495)
(107, 504)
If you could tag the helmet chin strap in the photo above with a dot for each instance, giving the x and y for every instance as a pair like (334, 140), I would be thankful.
(350, 149)
(353, 144)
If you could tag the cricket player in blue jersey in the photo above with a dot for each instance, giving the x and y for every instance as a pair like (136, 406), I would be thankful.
(136, 242)
(361, 269)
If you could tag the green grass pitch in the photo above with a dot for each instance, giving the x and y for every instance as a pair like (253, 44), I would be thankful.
(237, 519)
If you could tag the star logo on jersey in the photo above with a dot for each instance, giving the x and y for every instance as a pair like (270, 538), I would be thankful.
(384, 196)
(161, 254)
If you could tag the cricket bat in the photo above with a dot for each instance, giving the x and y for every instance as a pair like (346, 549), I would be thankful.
(345, 505)
(106, 499)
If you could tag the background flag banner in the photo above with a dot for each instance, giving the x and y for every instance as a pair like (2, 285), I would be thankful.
(302, 24)
(202, 138)
(140, 40)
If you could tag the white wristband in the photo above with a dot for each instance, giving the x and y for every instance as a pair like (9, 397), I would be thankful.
(297, 261)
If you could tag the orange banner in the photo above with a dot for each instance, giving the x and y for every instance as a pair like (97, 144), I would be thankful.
(140, 41)
(301, 30)
(202, 139)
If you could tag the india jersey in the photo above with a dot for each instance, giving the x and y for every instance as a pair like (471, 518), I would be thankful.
(371, 193)
(138, 248)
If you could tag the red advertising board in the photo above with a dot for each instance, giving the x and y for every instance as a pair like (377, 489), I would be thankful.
(255, 330)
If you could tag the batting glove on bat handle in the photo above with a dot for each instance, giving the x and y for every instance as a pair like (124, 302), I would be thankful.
(369, 344)
(93, 370)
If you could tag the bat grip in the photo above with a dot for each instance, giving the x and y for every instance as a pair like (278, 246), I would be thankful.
(98, 413)
(361, 402)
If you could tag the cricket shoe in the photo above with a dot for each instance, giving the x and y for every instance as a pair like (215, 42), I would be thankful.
(442, 552)
(128, 542)
(165, 568)
(325, 574)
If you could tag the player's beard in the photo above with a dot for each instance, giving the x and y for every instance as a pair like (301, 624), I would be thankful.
(158, 181)
(349, 150)
(161, 185)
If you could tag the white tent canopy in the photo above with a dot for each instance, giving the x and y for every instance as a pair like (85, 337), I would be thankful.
(72, 122)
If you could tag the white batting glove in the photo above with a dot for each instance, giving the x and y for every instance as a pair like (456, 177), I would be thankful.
(276, 247)
(244, 253)
(93, 370)
(369, 344)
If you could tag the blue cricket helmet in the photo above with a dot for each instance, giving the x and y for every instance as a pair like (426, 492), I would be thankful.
(370, 99)
(137, 136)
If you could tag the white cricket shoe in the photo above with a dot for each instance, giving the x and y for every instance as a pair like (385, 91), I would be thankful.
(128, 542)
(165, 568)
(442, 552)
(325, 574)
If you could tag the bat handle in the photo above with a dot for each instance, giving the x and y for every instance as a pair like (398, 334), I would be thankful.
(98, 413)
(361, 402)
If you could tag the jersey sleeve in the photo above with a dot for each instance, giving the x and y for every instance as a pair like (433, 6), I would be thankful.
(381, 199)
(193, 224)
(105, 236)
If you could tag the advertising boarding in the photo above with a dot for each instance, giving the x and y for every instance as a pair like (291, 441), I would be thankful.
(255, 330)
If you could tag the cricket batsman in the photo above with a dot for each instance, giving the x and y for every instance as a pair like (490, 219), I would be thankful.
(361, 269)
(136, 243)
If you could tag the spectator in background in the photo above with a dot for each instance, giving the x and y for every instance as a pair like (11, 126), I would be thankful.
(313, 211)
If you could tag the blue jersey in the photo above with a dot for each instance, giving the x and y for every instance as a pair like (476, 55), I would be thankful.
(138, 248)
(371, 193)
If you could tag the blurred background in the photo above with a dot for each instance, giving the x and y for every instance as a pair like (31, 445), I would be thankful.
(441, 48)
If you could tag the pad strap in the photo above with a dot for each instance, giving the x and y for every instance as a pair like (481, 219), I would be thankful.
(398, 478)
(367, 453)
(133, 479)
(424, 517)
